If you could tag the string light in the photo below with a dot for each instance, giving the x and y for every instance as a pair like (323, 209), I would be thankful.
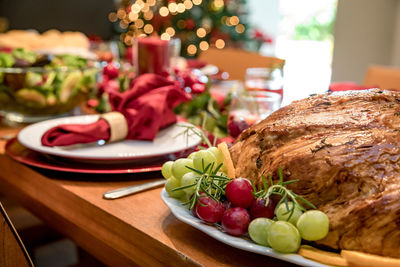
(135, 8)
(128, 40)
(192, 49)
(163, 11)
(151, 2)
(121, 13)
(170, 31)
(112, 17)
(139, 23)
(188, 4)
(173, 7)
(181, 8)
(204, 45)
(240, 28)
(220, 44)
(197, 2)
(201, 32)
(123, 25)
(145, 8)
(148, 15)
(234, 20)
(223, 19)
(148, 28)
(133, 16)
(165, 36)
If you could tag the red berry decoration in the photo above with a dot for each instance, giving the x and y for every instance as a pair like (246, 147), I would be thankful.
(111, 71)
(209, 210)
(239, 192)
(235, 221)
(258, 209)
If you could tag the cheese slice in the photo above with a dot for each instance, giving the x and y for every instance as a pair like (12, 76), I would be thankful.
(322, 256)
(223, 147)
(355, 258)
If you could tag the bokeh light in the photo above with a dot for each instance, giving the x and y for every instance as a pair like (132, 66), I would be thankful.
(240, 28)
(148, 28)
(234, 20)
(191, 49)
(165, 36)
(197, 2)
(133, 16)
(139, 23)
(181, 8)
(204, 45)
(164, 11)
(201, 32)
(220, 44)
(173, 7)
(170, 31)
(188, 4)
(112, 17)
(148, 15)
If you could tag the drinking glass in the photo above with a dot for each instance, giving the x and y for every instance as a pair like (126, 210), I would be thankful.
(249, 108)
(264, 79)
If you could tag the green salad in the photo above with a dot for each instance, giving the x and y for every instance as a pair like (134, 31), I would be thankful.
(36, 84)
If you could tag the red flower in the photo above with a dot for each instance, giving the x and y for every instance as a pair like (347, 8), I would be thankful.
(260, 36)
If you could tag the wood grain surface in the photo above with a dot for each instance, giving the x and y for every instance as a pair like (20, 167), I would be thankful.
(12, 252)
(138, 230)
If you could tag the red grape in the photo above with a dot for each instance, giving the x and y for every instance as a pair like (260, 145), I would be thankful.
(236, 127)
(209, 210)
(258, 209)
(239, 192)
(236, 221)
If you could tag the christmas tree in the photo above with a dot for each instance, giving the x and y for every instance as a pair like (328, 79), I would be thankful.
(199, 24)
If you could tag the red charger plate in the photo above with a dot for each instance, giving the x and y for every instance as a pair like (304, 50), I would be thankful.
(29, 157)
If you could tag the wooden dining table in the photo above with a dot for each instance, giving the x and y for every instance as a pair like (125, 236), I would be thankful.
(131, 231)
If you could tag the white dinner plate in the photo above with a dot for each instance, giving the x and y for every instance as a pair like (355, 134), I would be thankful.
(183, 214)
(169, 140)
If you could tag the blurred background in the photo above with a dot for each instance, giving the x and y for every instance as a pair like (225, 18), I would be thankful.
(321, 41)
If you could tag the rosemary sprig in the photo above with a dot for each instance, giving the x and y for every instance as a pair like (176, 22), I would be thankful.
(191, 129)
(279, 188)
(208, 182)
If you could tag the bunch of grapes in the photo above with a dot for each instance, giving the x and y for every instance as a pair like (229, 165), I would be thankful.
(201, 181)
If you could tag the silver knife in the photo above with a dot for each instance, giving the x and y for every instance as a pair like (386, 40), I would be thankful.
(126, 191)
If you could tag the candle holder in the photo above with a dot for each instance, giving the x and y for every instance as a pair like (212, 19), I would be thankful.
(154, 55)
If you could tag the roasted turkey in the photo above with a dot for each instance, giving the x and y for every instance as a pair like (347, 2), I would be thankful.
(344, 150)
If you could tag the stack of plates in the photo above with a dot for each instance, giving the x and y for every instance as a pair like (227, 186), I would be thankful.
(127, 156)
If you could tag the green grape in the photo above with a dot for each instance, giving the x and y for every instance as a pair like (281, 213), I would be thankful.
(313, 225)
(283, 237)
(217, 153)
(203, 158)
(170, 185)
(258, 230)
(188, 179)
(282, 213)
(166, 170)
(179, 167)
(192, 155)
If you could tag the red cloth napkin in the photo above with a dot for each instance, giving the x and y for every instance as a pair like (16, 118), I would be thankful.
(195, 63)
(147, 107)
(346, 86)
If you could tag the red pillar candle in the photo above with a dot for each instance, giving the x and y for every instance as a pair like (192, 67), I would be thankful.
(153, 56)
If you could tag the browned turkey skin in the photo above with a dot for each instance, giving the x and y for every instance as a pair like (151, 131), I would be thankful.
(345, 151)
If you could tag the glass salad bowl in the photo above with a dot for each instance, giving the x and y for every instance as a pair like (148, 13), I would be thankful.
(37, 87)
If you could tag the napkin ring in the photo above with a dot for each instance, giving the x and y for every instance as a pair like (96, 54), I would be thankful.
(118, 125)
